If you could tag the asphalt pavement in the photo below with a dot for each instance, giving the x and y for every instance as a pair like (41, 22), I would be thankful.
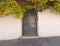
(50, 41)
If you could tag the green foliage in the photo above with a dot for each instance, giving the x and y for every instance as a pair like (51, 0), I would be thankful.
(12, 7)
(42, 4)
(57, 6)
(38, 3)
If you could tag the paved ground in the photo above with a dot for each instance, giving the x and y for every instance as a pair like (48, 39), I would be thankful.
(54, 41)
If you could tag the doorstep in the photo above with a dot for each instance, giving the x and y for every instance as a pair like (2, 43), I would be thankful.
(28, 37)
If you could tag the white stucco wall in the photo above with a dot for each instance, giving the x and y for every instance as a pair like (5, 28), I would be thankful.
(48, 24)
(10, 28)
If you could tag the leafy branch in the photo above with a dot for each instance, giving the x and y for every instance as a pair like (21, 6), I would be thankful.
(12, 6)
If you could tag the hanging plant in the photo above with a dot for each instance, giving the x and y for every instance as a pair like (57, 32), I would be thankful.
(11, 6)
(14, 7)
(41, 4)
(57, 6)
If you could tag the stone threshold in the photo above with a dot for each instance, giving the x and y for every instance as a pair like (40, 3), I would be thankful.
(28, 37)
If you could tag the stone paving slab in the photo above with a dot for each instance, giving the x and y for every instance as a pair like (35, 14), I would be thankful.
(52, 41)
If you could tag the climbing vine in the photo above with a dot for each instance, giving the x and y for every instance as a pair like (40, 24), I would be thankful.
(13, 7)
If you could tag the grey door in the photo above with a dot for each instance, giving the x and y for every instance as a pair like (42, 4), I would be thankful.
(30, 24)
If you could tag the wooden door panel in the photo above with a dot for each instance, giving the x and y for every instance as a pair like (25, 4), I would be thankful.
(30, 24)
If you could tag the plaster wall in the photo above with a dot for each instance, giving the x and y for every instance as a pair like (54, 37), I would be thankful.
(48, 24)
(10, 27)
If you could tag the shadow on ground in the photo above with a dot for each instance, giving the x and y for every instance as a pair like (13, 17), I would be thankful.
(51, 41)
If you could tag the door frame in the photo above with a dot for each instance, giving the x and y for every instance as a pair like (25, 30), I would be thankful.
(37, 32)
